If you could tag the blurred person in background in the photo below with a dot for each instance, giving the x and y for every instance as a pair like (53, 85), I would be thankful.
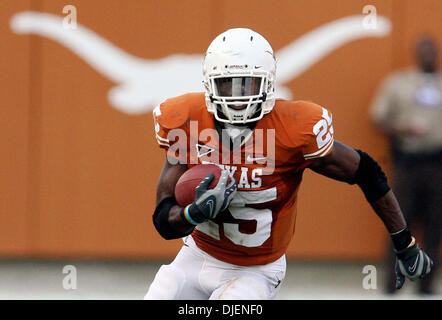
(408, 109)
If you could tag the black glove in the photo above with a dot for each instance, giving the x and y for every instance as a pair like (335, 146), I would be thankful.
(413, 263)
(208, 203)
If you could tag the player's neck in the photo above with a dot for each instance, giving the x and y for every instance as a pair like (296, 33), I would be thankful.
(235, 134)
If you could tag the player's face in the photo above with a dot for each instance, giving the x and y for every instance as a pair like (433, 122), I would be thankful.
(426, 55)
(238, 87)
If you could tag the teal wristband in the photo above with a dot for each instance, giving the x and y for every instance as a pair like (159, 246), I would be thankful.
(187, 216)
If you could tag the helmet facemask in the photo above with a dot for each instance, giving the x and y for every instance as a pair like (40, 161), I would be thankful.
(238, 98)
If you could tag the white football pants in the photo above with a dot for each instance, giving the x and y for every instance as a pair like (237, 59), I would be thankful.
(194, 274)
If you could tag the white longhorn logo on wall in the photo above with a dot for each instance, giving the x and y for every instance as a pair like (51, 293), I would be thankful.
(142, 83)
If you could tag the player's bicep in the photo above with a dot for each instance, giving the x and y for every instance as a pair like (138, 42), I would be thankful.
(341, 164)
(168, 178)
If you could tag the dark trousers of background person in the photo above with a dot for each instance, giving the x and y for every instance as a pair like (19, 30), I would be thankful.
(417, 184)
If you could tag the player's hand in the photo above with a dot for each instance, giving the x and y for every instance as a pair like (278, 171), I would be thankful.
(209, 202)
(412, 263)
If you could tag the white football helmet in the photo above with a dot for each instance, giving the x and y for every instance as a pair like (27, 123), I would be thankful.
(239, 74)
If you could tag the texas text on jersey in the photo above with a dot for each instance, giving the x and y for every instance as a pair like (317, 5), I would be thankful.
(267, 164)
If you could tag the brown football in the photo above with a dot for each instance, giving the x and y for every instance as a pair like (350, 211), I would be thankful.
(185, 187)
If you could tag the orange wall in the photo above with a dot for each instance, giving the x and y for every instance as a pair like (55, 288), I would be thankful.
(78, 177)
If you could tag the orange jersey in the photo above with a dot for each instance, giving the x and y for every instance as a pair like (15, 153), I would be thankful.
(268, 165)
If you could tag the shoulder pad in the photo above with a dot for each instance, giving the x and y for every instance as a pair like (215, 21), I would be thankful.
(297, 109)
(174, 112)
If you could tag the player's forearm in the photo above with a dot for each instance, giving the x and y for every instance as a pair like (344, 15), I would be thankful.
(357, 167)
(387, 208)
(373, 183)
(177, 221)
(174, 215)
(168, 219)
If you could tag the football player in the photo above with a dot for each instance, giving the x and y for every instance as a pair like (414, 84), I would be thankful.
(236, 235)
